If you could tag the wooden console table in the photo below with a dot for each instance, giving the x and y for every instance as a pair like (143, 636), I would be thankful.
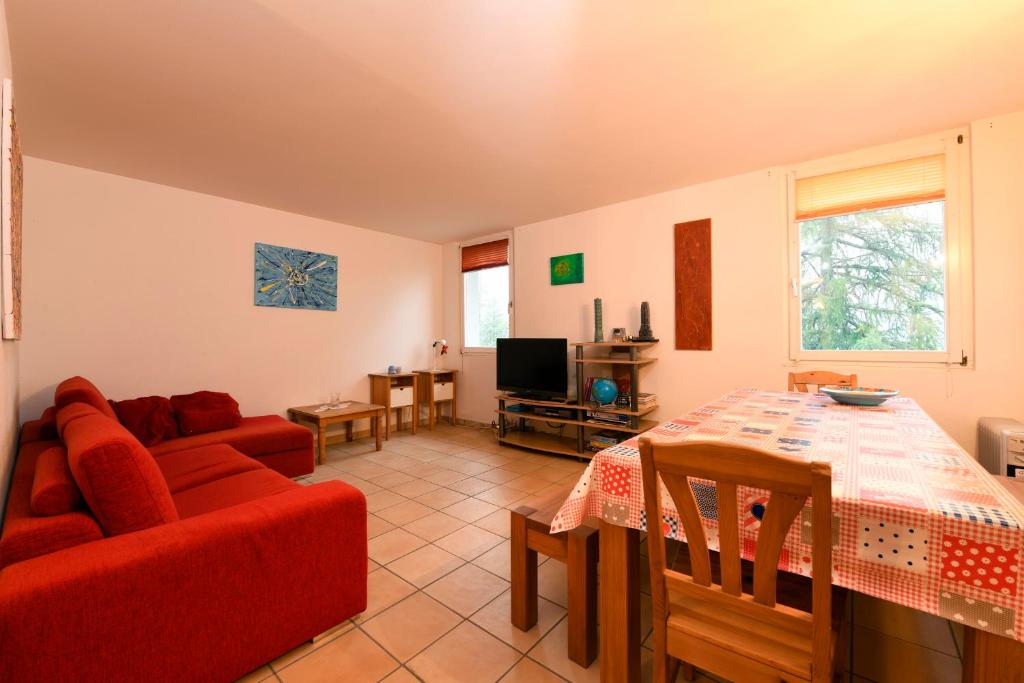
(434, 387)
(395, 392)
(353, 411)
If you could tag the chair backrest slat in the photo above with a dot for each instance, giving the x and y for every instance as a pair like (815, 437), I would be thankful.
(729, 538)
(700, 561)
(790, 484)
(779, 514)
(800, 381)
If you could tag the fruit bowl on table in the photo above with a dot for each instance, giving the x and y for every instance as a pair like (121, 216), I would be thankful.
(858, 396)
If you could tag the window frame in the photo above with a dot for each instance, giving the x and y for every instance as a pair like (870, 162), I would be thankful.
(955, 144)
(486, 350)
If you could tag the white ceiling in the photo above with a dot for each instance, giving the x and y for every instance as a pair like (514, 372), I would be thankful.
(441, 119)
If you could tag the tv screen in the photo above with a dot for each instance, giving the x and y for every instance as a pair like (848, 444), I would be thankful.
(537, 367)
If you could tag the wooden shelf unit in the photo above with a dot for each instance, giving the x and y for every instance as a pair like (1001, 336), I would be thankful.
(576, 445)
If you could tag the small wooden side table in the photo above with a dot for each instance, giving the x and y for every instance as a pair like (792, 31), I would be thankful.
(353, 411)
(434, 387)
(394, 392)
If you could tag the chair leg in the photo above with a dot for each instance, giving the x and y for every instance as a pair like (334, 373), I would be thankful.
(666, 667)
(524, 575)
(689, 673)
(582, 576)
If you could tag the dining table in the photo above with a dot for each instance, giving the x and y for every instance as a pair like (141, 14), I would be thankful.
(916, 520)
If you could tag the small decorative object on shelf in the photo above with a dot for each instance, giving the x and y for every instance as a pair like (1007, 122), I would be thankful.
(443, 343)
(618, 334)
(645, 334)
(604, 391)
(598, 322)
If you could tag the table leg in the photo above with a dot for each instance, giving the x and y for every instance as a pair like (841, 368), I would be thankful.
(452, 408)
(348, 430)
(376, 429)
(431, 414)
(989, 658)
(619, 589)
(387, 423)
(321, 436)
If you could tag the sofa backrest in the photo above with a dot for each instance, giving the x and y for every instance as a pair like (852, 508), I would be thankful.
(118, 477)
(80, 390)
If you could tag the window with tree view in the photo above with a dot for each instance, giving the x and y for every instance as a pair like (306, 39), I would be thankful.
(485, 294)
(872, 258)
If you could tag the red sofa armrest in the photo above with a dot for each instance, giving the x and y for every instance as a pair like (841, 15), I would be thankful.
(208, 598)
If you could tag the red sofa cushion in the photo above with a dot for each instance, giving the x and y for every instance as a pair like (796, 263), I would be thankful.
(229, 491)
(198, 466)
(150, 418)
(81, 390)
(43, 429)
(54, 491)
(72, 412)
(254, 436)
(117, 476)
(26, 536)
(205, 411)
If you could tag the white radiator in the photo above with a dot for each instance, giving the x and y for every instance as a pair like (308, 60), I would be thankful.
(1001, 446)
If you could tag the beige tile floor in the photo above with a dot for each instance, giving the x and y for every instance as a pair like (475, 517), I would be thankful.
(438, 609)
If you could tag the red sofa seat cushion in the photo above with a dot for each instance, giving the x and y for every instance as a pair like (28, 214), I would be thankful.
(81, 390)
(198, 466)
(205, 411)
(54, 491)
(118, 477)
(150, 419)
(254, 436)
(229, 491)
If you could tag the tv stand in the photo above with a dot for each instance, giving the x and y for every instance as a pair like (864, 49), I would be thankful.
(514, 427)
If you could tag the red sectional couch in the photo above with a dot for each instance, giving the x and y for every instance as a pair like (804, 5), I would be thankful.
(197, 563)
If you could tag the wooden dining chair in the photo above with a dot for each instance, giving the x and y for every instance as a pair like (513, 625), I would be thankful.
(718, 627)
(800, 381)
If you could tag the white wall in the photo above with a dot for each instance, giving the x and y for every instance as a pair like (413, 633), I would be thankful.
(8, 349)
(147, 289)
(628, 251)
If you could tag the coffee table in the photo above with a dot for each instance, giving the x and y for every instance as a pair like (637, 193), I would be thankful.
(353, 410)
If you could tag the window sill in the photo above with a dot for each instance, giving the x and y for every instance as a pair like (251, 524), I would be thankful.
(479, 351)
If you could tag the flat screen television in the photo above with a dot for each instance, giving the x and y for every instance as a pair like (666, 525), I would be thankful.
(534, 367)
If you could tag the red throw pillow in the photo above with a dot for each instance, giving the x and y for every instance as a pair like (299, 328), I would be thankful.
(54, 491)
(48, 423)
(150, 418)
(205, 411)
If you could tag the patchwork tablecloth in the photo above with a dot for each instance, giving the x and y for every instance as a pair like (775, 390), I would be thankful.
(917, 521)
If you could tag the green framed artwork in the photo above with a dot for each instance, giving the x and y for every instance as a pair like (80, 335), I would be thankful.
(567, 270)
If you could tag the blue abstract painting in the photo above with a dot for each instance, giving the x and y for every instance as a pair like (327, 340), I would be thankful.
(293, 278)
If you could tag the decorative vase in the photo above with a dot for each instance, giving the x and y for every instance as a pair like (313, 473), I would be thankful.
(645, 333)
(598, 321)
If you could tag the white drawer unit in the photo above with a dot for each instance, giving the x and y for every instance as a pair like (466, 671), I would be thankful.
(444, 391)
(396, 392)
(401, 396)
(436, 388)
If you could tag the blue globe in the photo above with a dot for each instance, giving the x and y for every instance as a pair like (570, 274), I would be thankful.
(604, 390)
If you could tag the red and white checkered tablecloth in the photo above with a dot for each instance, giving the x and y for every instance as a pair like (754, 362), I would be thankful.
(917, 521)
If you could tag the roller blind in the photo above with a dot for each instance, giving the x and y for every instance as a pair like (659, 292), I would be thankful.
(486, 255)
(873, 187)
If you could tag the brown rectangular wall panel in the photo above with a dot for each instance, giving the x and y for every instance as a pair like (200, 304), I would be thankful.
(693, 285)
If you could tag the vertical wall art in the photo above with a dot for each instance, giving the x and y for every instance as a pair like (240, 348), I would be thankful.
(10, 215)
(293, 278)
(693, 285)
(567, 270)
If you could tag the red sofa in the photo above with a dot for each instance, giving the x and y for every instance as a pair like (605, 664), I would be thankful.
(198, 563)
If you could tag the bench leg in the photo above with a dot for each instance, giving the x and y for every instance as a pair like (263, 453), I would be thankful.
(582, 576)
(524, 577)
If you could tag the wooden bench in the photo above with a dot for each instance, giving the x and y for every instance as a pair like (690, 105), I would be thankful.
(577, 549)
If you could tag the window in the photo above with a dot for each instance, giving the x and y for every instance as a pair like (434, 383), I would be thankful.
(875, 258)
(486, 275)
